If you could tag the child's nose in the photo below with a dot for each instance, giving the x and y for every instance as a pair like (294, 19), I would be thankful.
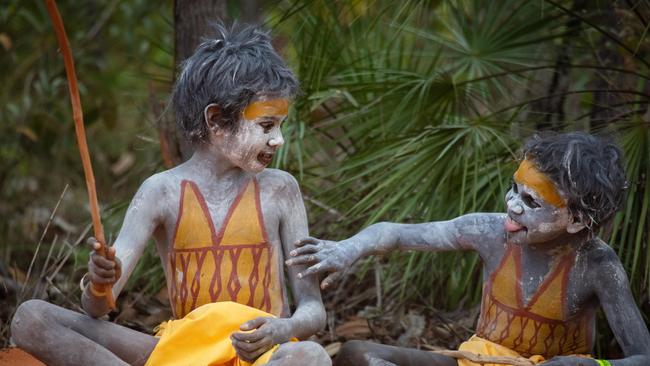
(276, 141)
(515, 207)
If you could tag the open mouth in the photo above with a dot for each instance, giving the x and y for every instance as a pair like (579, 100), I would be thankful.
(265, 158)
(513, 226)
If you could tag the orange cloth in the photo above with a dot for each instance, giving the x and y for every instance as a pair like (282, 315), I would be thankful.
(238, 263)
(541, 326)
(202, 337)
(483, 347)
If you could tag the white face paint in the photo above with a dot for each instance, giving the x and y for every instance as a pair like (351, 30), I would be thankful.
(532, 220)
(252, 145)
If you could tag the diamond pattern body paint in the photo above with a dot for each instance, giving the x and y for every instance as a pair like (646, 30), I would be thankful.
(237, 263)
(541, 326)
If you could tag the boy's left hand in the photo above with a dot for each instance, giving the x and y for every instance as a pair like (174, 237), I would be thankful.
(266, 333)
(570, 361)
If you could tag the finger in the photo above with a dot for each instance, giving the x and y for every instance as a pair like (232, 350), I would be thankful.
(253, 355)
(307, 249)
(317, 268)
(307, 240)
(253, 324)
(102, 262)
(93, 242)
(330, 280)
(303, 259)
(100, 280)
(101, 272)
(251, 337)
(251, 347)
(118, 268)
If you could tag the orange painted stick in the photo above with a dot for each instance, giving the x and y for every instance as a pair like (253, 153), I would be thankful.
(77, 114)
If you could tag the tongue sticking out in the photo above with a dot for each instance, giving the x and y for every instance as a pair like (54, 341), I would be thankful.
(512, 226)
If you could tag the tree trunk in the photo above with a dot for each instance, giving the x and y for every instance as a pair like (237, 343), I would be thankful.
(551, 110)
(192, 19)
(608, 106)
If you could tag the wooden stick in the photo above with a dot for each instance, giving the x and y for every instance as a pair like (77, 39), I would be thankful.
(482, 360)
(77, 115)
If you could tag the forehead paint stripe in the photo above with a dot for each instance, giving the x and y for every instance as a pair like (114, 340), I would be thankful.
(275, 107)
(528, 175)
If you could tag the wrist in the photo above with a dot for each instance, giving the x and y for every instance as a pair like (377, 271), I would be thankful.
(377, 239)
(285, 330)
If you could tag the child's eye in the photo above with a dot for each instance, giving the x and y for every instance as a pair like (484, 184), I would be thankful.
(267, 126)
(529, 201)
(514, 187)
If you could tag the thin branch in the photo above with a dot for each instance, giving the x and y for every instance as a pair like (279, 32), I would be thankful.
(80, 131)
(636, 11)
(602, 31)
(40, 241)
(610, 107)
(570, 92)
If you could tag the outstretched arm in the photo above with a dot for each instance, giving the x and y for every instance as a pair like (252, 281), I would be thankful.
(469, 232)
(140, 220)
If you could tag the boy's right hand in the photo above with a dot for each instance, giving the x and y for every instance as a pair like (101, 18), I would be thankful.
(322, 256)
(103, 270)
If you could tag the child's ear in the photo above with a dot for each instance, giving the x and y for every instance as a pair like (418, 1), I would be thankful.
(211, 114)
(575, 225)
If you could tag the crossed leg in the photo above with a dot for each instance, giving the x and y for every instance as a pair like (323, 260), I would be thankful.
(360, 353)
(59, 336)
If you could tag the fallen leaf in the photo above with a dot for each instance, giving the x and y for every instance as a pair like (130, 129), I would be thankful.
(354, 328)
(333, 348)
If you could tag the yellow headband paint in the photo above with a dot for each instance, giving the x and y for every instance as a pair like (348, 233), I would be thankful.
(262, 108)
(528, 175)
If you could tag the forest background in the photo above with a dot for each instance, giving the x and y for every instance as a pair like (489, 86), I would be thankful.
(410, 111)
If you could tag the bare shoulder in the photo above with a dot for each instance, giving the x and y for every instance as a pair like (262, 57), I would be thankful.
(159, 184)
(603, 264)
(158, 193)
(276, 181)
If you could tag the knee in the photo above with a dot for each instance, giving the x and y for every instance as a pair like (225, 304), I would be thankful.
(316, 353)
(28, 322)
(301, 353)
(353, 353)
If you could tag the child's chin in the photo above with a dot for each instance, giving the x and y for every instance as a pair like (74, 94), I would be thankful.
(517, 237)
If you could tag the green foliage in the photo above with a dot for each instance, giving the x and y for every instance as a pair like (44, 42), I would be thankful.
(122, 53)
(414, 111)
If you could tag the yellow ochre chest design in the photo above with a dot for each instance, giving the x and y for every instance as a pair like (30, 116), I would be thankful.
(237, 263)
(540, 327)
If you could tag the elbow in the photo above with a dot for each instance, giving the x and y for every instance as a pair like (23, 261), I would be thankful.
(321, 319)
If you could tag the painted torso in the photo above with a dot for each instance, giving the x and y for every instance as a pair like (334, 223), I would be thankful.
(221, 216)
(546, 323)
(236, 263)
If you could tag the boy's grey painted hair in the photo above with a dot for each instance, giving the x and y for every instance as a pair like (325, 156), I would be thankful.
(228, 70)
(586, 168)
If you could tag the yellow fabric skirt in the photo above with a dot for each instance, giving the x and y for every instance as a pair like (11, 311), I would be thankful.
(202, 337)
(483, 347)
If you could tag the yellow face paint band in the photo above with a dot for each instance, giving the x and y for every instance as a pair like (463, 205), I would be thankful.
(528, 175)
(262, 108)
